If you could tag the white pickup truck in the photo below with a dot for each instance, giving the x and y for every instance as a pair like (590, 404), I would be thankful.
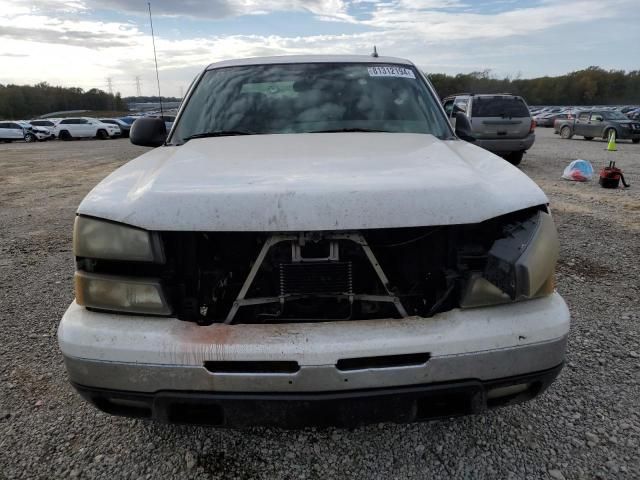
(312, 243)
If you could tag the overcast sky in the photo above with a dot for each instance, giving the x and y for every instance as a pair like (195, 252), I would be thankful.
(84, 42)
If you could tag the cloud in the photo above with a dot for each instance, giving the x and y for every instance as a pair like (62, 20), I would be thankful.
(69, 42)
(434, 25)
(222, 8)
(62, 36)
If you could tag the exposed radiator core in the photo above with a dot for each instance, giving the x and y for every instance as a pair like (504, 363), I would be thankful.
(316, 278)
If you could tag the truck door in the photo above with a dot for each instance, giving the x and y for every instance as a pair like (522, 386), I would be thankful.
(582, 124)
(596, 124)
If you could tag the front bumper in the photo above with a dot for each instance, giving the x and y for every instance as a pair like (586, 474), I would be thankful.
(345, 409)
(506, 145)
(141, 355)
(630, 135)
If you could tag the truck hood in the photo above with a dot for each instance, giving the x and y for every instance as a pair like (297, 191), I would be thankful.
(305, 182)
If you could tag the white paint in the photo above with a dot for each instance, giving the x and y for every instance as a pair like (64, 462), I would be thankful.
(166, 341)
(322, 181)
(89, 127)
(286, 59)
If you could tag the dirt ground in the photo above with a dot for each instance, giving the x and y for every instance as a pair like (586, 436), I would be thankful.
(586, 426)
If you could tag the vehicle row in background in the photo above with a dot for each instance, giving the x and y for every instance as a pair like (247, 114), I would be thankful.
(600, 123)
(72, 127)
(547, 116)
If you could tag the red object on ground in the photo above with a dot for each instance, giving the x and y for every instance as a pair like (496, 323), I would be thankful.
(610, 176)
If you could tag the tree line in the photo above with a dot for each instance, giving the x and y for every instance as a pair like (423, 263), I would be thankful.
(591, 86)
(28, 101)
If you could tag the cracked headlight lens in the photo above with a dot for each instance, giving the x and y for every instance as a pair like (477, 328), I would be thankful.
(520, 265)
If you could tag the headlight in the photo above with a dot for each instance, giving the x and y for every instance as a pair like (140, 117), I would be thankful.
(101, 239)
(120, 294)
(520, 265)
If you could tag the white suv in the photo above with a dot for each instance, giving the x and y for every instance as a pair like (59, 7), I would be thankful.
(83, 127)
(312, 244)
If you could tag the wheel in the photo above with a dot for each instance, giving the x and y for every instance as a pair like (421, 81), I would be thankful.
(588, 138)
(30, 137)
(102, 134)
(65, 135)
(514, 158)
(636, 140)
(565, 132)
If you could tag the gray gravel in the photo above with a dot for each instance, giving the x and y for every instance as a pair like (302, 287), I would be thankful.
(586, 426)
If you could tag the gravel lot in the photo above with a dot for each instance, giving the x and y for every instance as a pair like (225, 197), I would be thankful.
(586, 426)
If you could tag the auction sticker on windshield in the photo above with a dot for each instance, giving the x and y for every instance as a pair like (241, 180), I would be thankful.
(391, 72)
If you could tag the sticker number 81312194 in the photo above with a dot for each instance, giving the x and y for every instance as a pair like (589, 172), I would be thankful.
(391, 71)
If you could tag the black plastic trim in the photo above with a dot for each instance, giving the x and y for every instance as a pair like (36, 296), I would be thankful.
(297, 410)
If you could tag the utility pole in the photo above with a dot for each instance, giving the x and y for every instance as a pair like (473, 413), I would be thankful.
(138, 86)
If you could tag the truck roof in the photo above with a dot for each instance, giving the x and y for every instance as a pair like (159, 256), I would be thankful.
(309, 59)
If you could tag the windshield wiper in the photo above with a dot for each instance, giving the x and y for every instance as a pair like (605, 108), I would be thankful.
(218, 133)
(347, 130)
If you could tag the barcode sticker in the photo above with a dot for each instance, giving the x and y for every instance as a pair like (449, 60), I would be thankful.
(389, 71)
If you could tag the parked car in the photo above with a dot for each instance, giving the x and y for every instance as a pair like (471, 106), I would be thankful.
(600, 123)
(50, 124)
(129, 119)
(83, 127)
(168, 120)
(41, 134)
(544, 120)
(124, 126)
(12, 131)
(500, 123)
(313, 243)
(549, 119)
(633, 114)
(547, 111)
(628, 108)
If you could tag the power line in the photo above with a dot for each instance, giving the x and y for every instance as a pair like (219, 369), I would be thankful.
(138, 86)
(110, 85)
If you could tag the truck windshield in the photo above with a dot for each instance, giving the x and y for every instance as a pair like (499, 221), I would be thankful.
(314, 97)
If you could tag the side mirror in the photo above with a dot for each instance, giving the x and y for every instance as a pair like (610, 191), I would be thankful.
(463, 128)
(148, 132)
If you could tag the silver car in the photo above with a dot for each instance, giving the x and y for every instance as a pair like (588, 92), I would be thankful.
(500, 123)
